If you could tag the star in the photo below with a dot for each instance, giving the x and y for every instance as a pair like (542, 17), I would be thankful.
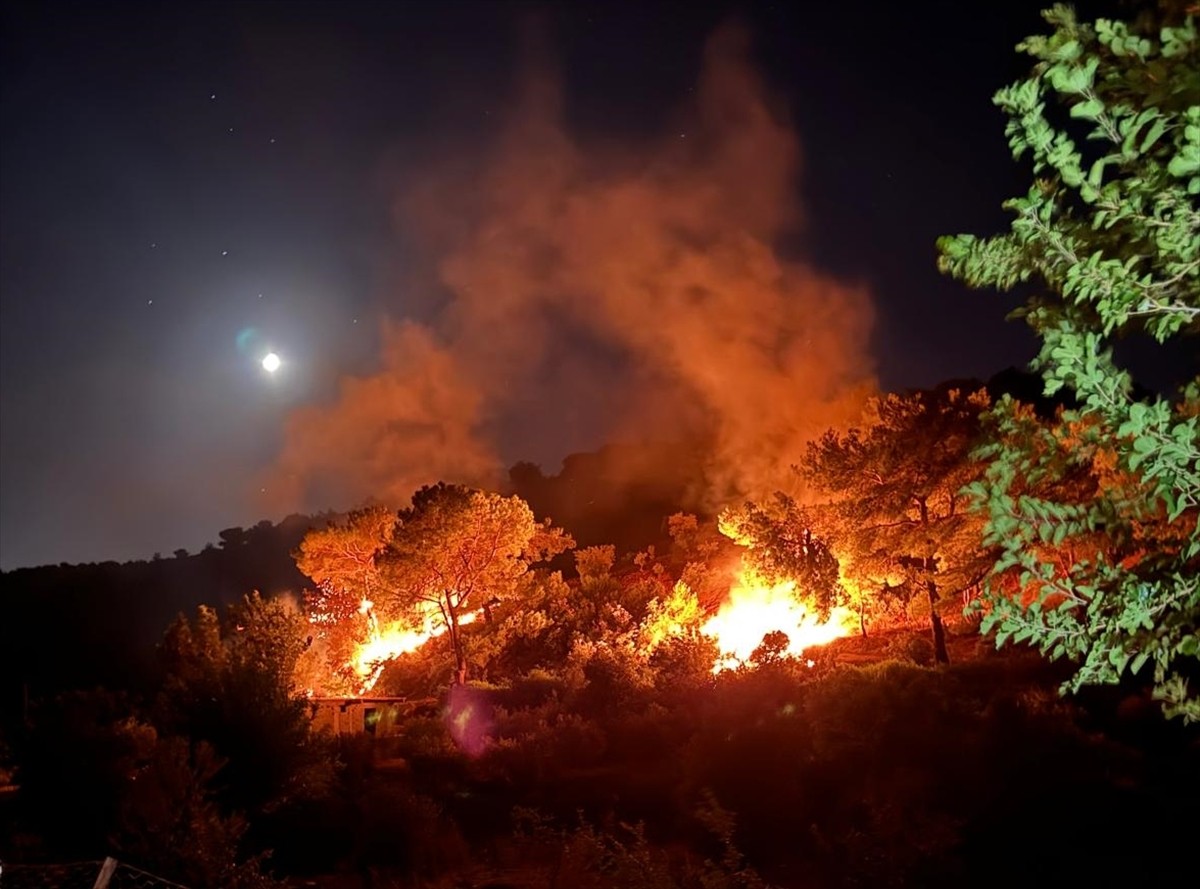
(224, 252)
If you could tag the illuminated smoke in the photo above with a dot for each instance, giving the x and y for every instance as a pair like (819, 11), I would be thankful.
(386, 435)
(637, 287)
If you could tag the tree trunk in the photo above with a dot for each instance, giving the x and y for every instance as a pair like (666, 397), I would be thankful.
(935, 620)
(460, 658)
(862, 617)
(939, 631)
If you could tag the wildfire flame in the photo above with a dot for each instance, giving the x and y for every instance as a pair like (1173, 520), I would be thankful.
(755, 608)
(389, 642)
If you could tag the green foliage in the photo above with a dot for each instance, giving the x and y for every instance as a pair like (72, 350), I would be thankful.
(1109, 234)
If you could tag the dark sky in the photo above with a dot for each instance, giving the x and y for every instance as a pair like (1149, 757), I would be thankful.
(187, 186)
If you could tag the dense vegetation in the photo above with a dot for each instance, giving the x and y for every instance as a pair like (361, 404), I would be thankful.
(592, 743)
(613, 771)
(1109, 234)
(565, 722)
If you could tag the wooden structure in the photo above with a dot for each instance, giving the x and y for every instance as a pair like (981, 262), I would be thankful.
(378, 716)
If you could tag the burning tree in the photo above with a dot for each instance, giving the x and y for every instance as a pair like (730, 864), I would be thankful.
(389, 582)
(786, 591)
(343, 560)
(781, 545)
(895, 496)
(456, 549)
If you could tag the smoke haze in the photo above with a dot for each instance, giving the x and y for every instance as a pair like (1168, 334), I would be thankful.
(632, 292)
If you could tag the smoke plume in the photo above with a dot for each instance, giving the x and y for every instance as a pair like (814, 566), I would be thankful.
(636, 286)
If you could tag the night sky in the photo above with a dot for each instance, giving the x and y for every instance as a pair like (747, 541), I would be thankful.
(189, 186)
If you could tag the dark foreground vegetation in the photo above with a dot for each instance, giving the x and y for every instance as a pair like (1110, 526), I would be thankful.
(884, 774)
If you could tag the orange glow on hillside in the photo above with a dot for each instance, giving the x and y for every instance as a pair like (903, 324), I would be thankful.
(755, 608)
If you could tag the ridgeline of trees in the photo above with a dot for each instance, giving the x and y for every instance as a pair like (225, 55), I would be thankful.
(98, 624)
(73, 626)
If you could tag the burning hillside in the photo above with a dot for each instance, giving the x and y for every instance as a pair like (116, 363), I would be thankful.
(634, 616)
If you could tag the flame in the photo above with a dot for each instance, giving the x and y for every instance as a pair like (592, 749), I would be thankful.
(387, 643)
(755, 608)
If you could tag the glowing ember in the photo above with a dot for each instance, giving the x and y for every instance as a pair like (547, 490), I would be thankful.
(755, 608)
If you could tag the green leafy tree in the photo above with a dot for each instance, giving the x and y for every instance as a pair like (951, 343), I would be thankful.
(457, 549)
(894, 487)
(1109, 235)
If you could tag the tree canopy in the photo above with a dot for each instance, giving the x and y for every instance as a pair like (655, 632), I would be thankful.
(457, 548)
(894, 496)
(341, 558)
(1108, 236)
(780, 545)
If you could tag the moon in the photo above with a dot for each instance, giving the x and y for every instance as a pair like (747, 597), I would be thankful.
(271, 362)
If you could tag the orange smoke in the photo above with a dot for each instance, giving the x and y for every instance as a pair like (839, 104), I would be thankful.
(640, 284)
(387, 435)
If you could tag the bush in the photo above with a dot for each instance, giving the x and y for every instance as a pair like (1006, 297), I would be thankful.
(911, 648)
(425, 737)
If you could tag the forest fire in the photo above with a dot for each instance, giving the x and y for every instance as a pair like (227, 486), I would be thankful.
(387, 643)
(755, 608)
